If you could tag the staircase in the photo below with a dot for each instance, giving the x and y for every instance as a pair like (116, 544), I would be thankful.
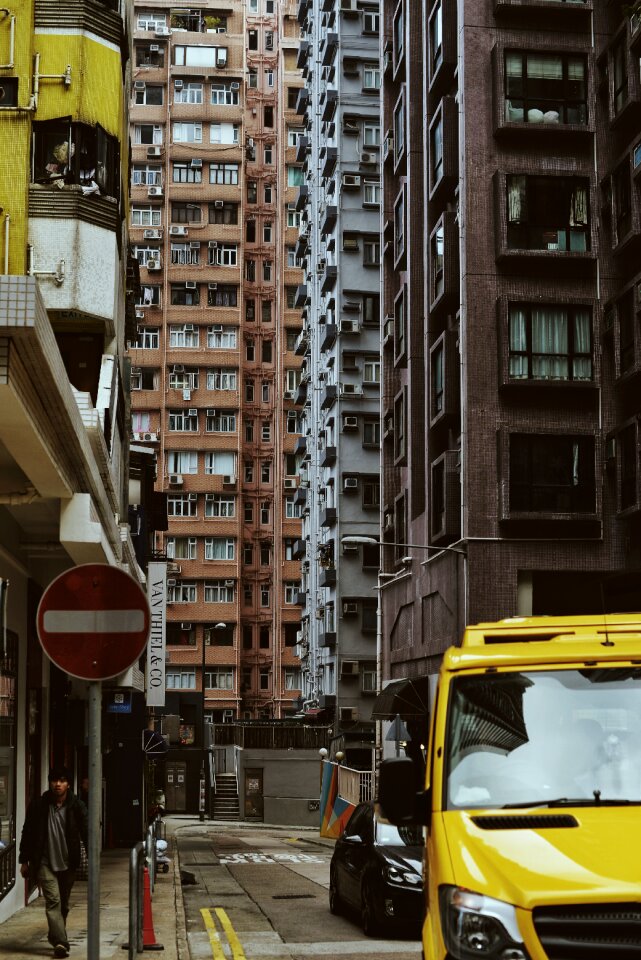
(226, 798)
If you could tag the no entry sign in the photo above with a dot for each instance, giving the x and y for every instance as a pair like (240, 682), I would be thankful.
(93, 621)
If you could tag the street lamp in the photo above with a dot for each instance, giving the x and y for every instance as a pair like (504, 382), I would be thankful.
(202, 801)
(385, 579)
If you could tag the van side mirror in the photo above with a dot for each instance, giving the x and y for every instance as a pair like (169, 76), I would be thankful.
(397, 796)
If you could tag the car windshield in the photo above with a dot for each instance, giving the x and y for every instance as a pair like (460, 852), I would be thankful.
(549, 737)
(388, 835)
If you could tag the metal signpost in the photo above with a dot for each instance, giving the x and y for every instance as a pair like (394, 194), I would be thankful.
(93, 623)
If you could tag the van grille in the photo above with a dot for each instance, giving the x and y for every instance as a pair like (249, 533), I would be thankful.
(586, 932)
(542, 821)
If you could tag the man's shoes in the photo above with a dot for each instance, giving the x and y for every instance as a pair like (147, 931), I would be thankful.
(60, 950)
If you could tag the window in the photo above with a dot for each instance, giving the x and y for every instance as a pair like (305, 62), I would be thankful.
(371, 433)
(620, 74)
(267, 270)
(626, 324)
(200, 56)
(223, 421)
(224, 173)
(224, 94)
(548, 213)
(368, 678)
(399, 427)
(371, 76)
(186, 379)
(190, 92)
(437, 251)
(372, 371)
(220, 462)
(266, 471)
(222, 212)
(222, 378)
(185, 172)
(290, 297)
(181, 548)
(252, 39)
(265, 391)
(268, 193)
(185, 254)
(371, 135)
(144, 254)
(144, 378)
(294, 134)
(220, 505)
(292, 97)
(151, 20)
(149, 296)
(372, 499)
(250, 271)
(146, 57)
(182, 505)
(435, 39)
(147, 133)
(266, 431)
(269, 152)
(437, 364)
(263, 674)
(267, 232)
(371, 309)
(252, 191)
(552, 474)
(222, 678)
(250, 349)
(545, 88)
(222, 338)
(182, 421)
(291, 590)
(266, 311)
(629, 457)
(146, 175)
(622, 200)
(218, 636)
(268, 116)
(151, 96)
(222, 295)
(252, 78)
(292, 259)
(292, 510)
(293, 218)
(295, 175)
(182, 461)
(550, 342)
(220, 548)
(186, 213)
(180, 679)
(219, 591)
(368, 616)
(224, 255)
(436, 151)
(146, 216)
(293, 678)
(183, 297)
(372, 192)
(224, 133)
(399, 227)
(184, 132)
(371, 252)
(148, 338)
(181, 592)
(179, 635)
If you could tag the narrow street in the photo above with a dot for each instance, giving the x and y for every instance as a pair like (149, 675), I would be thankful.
(263, 893)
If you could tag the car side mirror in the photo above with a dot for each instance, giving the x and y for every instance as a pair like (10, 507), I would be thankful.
(397, 796)
(353, 838)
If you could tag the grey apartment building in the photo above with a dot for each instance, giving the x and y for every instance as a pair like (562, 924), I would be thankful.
(511, 297)
(339, 246)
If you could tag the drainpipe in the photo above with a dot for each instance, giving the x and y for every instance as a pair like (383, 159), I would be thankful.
(12, 38)
(7, 221)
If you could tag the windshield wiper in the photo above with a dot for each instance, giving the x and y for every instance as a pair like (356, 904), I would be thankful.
(595, 801)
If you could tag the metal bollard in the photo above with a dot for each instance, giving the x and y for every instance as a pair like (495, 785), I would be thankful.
(135, 944)
(150, 855)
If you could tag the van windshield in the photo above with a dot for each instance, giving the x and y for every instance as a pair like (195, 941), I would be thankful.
(544, 737)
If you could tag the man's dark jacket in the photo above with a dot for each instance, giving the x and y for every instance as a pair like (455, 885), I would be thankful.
(33, 842)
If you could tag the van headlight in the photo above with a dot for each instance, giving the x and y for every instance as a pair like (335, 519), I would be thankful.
(477, 926)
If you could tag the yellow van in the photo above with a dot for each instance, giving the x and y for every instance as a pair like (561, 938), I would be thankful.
(532, 800)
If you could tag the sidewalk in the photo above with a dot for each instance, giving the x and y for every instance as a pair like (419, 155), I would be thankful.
(24, 935)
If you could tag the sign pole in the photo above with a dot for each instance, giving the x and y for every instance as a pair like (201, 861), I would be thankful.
(95, 798)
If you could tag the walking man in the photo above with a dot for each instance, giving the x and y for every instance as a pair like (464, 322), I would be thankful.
(54, 825)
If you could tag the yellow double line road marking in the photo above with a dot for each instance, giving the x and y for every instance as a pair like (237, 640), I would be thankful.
(214, 939)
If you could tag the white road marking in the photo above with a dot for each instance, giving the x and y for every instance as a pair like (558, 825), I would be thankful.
(268, 945)
(93, 621)
(237, 858)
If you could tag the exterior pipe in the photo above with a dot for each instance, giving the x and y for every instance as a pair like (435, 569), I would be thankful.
(7, 221)
(12, 38)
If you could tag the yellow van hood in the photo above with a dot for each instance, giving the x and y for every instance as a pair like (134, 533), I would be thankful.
(596, 861)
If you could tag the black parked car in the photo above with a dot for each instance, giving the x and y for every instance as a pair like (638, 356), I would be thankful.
(377, 868)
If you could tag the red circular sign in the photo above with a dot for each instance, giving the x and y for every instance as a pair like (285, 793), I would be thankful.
(93, 621)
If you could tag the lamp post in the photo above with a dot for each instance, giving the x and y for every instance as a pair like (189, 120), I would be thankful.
(203, 794)
(385, 579)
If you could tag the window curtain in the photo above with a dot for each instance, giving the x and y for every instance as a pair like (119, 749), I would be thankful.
(543, 67)
(518, 344)
(517, 199)
(579, 207)
(582, 359)
(550, 344)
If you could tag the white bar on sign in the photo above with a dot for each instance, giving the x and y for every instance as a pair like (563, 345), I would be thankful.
(93, 621)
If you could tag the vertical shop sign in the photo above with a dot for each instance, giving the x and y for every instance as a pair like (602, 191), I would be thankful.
(156, 649)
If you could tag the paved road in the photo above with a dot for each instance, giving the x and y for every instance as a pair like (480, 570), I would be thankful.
(263, 893)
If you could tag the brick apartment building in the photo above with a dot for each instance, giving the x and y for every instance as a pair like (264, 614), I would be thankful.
(213, 134)
(512, 290)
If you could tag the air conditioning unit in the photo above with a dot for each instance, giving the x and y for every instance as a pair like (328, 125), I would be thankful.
(190, 284)
(351, 180)
(288, 395)
(150, 436)
(348, 713)
(234, 85)
(178, 231)
(171, 582)
(192, 412)
(320, 266)
(350, 483)
(230, 583)
(211, 412)
(153, 265)
(213, 244)
(185, 626)
(221, 62)
(154, 48)
(229, 480)
(140, 314)
(189, 327)
(186, 394)
(196, 164)
(352, 389)
(352, 306)
(161, 31)
(194, 244)
(219, 204)
(154, 151)
(152, 234)
(350, 608)
(289, 483)
(178, 84)
(350, 423)
(212, 286)
(174, 568)
(350, 243)
(154, 192)
(388, 329)
(175, 479)
(139, 85)
(348, 326)
(368, 158)
(349, 668)
(178, 368)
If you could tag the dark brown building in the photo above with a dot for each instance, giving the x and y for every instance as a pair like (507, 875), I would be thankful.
(512, 289)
